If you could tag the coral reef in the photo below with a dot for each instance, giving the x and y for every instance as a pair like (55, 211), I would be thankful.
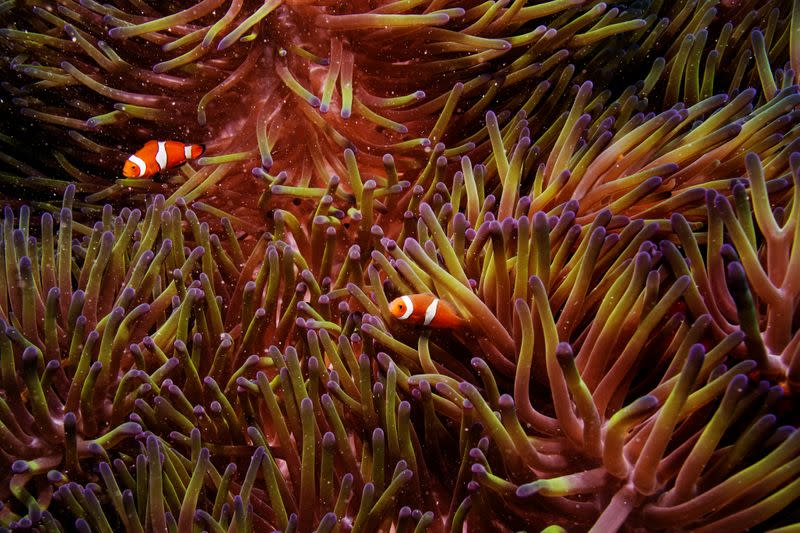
(608, 193)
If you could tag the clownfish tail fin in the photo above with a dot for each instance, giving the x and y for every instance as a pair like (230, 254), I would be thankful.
(193, 151)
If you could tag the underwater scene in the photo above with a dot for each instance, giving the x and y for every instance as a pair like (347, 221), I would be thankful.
(399, 266)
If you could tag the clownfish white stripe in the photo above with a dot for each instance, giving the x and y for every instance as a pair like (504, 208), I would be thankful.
(139, 162)
(187, 151)
(161, 155)
(409, 307)
(430, 312)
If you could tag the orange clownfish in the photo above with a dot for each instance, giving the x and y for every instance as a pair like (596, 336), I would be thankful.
(425, 310)
(156, 156)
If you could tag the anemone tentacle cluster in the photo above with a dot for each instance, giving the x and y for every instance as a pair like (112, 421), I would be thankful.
(608, 193)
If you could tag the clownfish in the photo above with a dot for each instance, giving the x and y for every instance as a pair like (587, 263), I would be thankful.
(425, 310)
(156, 156)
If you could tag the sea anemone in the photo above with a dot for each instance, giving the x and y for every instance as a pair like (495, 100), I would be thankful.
(607, 195)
